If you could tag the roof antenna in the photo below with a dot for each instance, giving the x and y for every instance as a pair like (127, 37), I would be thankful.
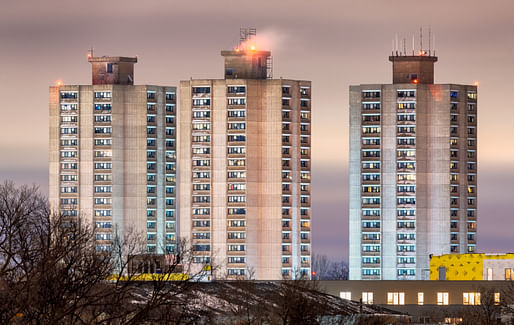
(396, 37)
(429, 40)
(412, 45)
(404, 49)
(90, 52)
(434, 43)
(421, 39)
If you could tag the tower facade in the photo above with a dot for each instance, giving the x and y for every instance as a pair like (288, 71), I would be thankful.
(413, 171)
(112, 155)
(245, 169)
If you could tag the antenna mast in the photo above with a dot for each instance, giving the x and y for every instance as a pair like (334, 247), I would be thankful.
(429, 40)
(421, 39)
(246, 34)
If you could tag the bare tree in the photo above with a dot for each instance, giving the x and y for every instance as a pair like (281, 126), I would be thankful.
(295, 305)
(325, 269)
(52, 273)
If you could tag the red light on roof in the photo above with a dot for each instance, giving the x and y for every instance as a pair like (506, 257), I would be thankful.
(475, 83)
(415, 81)
(59, 83)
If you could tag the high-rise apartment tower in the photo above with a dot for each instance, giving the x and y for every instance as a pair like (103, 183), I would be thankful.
(245, 168)
(413, 171)
(112, 154)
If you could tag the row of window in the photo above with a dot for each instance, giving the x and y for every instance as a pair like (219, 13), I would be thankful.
(442, 298)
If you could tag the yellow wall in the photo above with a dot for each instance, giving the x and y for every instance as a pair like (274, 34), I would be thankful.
(462, 266)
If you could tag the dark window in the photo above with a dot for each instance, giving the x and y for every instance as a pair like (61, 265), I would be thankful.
(109, 67)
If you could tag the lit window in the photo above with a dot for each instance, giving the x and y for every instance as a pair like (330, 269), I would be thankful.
(345, 295)
(367, 298)
(442, 298)
(496, 298)
(396, 298)
(509, 274)
(471, 298)
(421, 298)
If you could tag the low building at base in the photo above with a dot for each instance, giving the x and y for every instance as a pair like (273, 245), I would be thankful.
(472, 267)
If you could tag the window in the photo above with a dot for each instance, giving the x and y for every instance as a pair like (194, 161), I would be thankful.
(237, 101)
(406, 165)
(201, 235)
(237, 174)
(103, 94)
(103, 118)
(421, 298)
(236, 198)
(236, 223)
(371, 224)
(396, 298)
(236, 235)
(201, 90)
(102, 165)
(201, 211)
(70, 142)
(471, 298)
(103, 106)
(201, 101)
(201, 248)
(69, 130)
(69, 201)
(442, 298)
(489, 274)
(201, 138)
(201, 199)
(345, 295)
(236, 186)
(69, 118)
(236, 150)
(236, 89)
(406, 93)
(236, 248)
(236, 113)
(170, 96)
(235, 211)
(103, 213)
(406, 105)
(367, 298)
(371, 93)
(103, 130)
(496, 298)
(103, 177)
(103, 224)
(236, 137)
(406, 141)
(370, 129)
(368, 106)
(509, 274)
(68, 107)
(103, 189)
(236, 126)
(472, 95)
(69, 95)
(406, 129)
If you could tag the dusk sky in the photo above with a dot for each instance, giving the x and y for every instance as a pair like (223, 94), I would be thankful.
(332, 43)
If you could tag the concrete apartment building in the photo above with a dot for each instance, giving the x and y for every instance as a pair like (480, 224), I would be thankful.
(245, 168)
(413, 171)
(112, 154)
